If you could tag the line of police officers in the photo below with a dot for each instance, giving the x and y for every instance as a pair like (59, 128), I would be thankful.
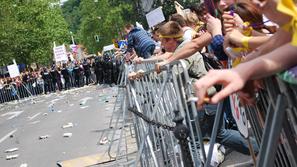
(106, 70)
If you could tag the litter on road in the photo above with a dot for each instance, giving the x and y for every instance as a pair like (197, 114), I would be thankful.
(103, 141)
(24, 165)
(67, 134)
(10, 157)
(68, 125)
(83, 107)
(11, 150)
(43, 137)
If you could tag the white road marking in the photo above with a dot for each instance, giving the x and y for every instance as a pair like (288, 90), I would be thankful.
(6, 136)
(14, 114)
(34, 116)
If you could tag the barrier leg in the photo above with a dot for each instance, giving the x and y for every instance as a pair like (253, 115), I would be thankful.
(181, 132)
(214, 133)
(267, 154)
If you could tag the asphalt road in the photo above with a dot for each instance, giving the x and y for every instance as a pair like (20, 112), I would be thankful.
(88, 109)
(22, 124)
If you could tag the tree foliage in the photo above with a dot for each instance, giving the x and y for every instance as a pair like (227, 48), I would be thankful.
(28, 30)
(71, 14)
(103, 18)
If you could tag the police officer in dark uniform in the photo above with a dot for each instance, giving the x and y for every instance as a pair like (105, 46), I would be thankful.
(87, 71)
(54, 78)
(76, 71)
(99, 66)
(47, 80)
(109, 66)
(58, 78)
(66, 77)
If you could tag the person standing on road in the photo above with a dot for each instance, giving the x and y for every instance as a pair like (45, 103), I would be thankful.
(66, 77)
(99, 70)
(87, 71)
(47, 80)
(76, 71)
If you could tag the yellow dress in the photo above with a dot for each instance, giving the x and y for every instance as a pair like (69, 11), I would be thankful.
(288, 7)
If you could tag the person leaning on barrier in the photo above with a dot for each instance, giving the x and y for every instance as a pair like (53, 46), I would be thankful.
(171, 35)
(140, 41)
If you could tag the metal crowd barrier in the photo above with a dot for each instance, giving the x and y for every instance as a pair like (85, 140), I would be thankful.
(166, 122)
(18, 91)
(274, 122)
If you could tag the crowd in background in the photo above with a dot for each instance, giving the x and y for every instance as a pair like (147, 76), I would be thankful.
(61, 76)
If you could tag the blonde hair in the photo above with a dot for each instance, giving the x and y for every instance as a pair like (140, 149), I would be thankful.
(171, 29)
(192, 19)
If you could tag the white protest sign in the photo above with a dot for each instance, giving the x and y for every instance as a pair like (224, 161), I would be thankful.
(108, 47)
(74, 48)
(179, 8)
(155, 17)
(60, 53)
(13, 70)
(239, 114)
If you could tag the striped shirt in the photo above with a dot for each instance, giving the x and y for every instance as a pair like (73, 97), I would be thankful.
(140, 40)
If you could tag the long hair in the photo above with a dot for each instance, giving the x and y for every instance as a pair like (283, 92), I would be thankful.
(248, 13)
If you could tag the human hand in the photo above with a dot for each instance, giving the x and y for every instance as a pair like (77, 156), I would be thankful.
(138, 60)
(247, 93)
(233, 39)
(198, 34)
(158, 66)
(231, 21)
(231, 79)
(214, 25)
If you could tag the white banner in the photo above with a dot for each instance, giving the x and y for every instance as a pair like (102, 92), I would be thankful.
(155, 17)
(60, 53)
(13, 70)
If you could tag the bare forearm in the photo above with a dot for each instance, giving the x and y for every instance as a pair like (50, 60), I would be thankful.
(162, 56)
(255, 42)
(192, 47)
(279, 38)
(278, 60)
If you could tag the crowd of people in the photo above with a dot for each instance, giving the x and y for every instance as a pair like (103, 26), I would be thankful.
(251, 39)
(63, 76)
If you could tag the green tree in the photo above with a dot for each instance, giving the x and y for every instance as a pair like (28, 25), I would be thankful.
(103, 18)
(28, 30)
(72, 15)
